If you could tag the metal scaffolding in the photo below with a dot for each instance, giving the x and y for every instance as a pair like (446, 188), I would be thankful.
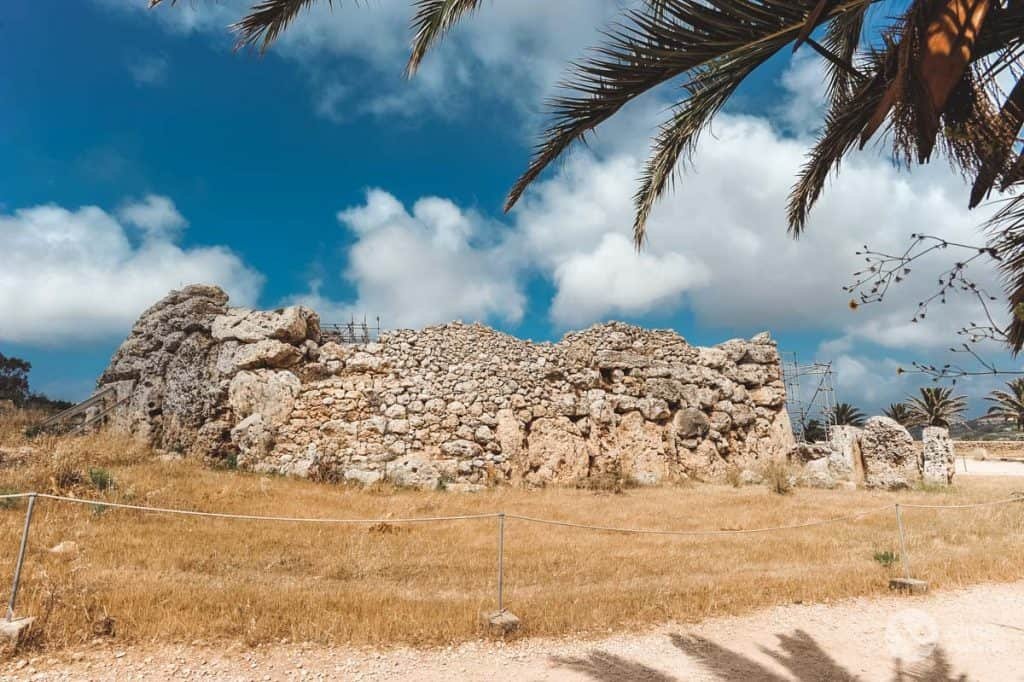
(351, 331)
(810, 394)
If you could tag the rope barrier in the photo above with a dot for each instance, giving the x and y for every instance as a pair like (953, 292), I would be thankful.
(1009, 500)
(501, 516)
(491, 515)
(256, 517)
(738, 531)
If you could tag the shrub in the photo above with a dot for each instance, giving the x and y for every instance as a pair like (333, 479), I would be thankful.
(9, 502)
(612, 480)
(886, 558)
(100, 478)
(64, 476)
(778, 478)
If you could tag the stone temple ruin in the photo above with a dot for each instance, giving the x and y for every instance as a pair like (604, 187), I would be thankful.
(464, 406)
(455, 405)
(881, 454)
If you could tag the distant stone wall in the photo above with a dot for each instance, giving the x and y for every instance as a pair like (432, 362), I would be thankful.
(1012, 449)
(459, 405)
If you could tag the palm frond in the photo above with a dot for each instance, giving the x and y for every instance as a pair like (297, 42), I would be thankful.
(267, 19)
(843, 124)
(710, 89)
(842, 39)
(936, 406)
(431, 21)
(682, 37)
(1006, 237)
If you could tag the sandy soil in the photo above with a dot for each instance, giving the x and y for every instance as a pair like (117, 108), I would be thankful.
(975, 634)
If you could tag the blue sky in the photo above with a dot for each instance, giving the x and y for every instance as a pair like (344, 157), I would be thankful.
(139, 153)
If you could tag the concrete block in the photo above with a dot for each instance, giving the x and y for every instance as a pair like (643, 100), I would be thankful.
(13, 629)
(908, 585)
(501, 622)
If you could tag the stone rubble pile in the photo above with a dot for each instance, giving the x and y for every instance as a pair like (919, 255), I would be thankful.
(456, 405)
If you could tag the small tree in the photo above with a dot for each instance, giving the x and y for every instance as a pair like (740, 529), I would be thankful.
(14, 379)
(845, 414)
(937, 406)
(899, 413)
(814, 432)
(1009, 404)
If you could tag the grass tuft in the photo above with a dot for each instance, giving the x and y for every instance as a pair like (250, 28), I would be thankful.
(778, 476)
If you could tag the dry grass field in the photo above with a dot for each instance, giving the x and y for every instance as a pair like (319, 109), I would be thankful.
(148, 577)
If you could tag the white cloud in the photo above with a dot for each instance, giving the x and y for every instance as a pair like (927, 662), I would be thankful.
(803, 107)
(155, 215)
(718, 244)
(149, 69)
(511, 51)
(74, 275)
(614, 279)
(428, 266)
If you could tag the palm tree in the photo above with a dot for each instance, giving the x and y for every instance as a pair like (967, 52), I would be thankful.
(845, 414)
(899, 413)
(1009, 404)
(814, 432)
(936, 406)
(925, 70)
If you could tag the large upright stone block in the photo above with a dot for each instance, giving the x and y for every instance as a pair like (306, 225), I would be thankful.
(890, 458)
(938, 462)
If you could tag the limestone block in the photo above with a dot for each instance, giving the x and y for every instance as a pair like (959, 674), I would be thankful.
(291, 324)
(890, 458)
(690, 423)
(265, 353)
(938, 456)
(266, 392)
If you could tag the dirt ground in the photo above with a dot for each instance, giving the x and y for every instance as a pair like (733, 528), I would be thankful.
(975, 634)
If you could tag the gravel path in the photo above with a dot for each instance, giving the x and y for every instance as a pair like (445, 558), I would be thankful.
(976, 632)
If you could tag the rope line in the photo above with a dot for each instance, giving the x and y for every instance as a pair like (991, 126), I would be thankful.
(738, 531)
(257, 517)
(1009, 500)
(491, 515)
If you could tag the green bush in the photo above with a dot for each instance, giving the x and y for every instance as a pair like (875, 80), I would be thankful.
(100, 478)
(9, 502)
(886, 558)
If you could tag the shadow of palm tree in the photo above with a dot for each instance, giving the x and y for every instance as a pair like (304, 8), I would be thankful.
(606, 667)
(803, 659)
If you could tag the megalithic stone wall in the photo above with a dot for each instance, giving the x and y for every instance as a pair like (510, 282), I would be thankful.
(458, 405)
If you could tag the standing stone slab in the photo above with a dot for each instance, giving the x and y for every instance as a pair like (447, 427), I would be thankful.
(938, 457)
(890, 457)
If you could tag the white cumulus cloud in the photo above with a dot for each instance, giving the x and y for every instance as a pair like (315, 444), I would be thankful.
(82, 274)
(157, 216)
(433, 264)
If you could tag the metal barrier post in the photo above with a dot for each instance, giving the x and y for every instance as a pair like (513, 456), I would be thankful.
(21, 557)
(903, 543)
(501, 562)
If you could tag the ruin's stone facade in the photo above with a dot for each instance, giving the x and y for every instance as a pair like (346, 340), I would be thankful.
(457, 404)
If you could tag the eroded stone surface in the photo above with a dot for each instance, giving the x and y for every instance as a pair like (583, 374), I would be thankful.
(889, 455)
(452, 406)
(938, 464)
